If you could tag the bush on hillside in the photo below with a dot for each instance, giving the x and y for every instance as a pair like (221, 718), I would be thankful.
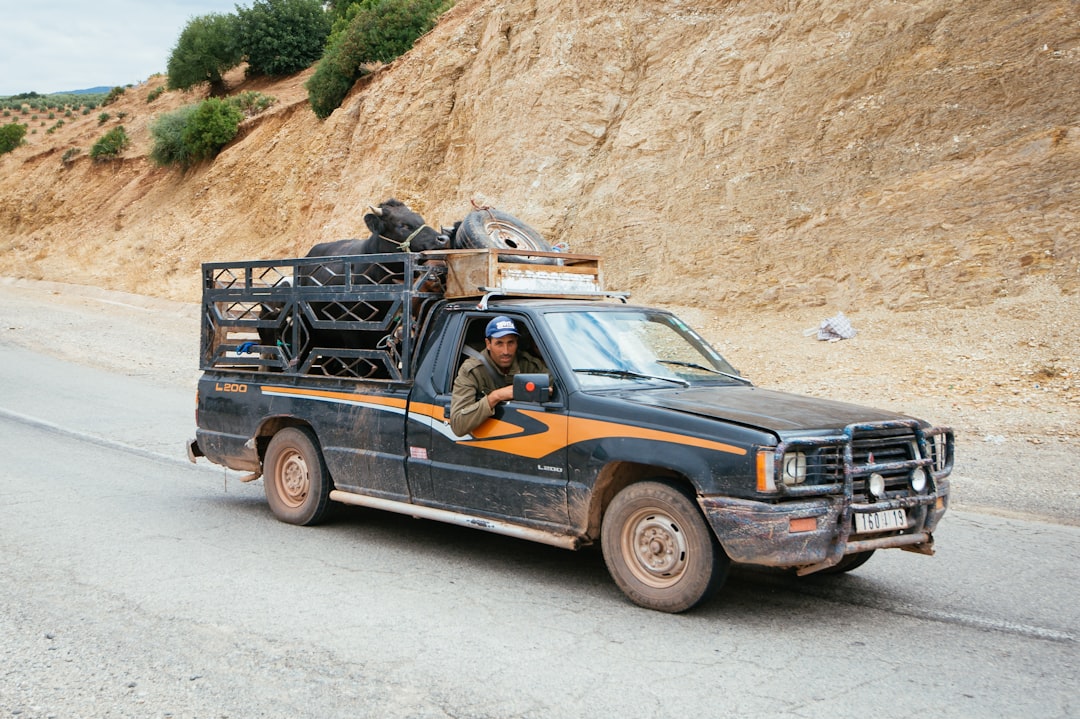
(198, 132)
(113, 96)
(11, 136)
(168, 134)
(280, 37)
(329, 84)
(110, 145)
(378, 32)
(251, 103)
(205, 51)
(213, 124)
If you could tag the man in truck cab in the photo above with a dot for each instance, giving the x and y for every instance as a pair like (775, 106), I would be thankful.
(487, 377)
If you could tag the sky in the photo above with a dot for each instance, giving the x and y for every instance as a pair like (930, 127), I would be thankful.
(60, 45)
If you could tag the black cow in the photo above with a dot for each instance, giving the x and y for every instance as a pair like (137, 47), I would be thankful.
(394, 228)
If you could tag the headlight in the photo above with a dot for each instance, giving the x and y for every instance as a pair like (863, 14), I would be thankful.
(918, 480)
(794, 468)
(876, 485)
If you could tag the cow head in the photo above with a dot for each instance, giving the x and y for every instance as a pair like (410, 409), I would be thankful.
(398, 228)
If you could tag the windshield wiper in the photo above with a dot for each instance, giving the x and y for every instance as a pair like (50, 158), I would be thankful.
(693, 365)
(629, 374)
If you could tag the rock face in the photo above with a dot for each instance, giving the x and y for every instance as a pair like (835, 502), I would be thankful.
(772, 154)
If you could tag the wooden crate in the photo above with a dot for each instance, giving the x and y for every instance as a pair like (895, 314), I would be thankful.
(473, 273)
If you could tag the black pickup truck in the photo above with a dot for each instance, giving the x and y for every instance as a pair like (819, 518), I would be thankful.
(643, 438)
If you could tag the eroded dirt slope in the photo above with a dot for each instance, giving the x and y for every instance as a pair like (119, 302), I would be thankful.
(783, 154)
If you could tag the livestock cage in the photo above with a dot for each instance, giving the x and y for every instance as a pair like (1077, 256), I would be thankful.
(354, 317)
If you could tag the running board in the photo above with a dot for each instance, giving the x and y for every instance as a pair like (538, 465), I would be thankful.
(562, 541)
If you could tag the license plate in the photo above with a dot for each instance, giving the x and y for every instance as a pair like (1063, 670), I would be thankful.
(881, 521)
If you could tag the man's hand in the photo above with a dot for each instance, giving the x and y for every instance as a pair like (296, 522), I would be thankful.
(500, 395)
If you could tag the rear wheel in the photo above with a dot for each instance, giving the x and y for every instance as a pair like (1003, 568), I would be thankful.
(659, 549)
(295, 479)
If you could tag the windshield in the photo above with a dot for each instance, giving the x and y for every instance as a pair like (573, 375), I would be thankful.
(613, 348)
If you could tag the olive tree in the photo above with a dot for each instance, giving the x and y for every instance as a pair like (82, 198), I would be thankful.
(207, 49)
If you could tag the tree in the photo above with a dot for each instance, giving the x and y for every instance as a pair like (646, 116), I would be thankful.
(378, 32)
(11, 136)
(205, 51)
(280, 37)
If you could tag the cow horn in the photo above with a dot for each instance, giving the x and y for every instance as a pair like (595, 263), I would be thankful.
(376, 210)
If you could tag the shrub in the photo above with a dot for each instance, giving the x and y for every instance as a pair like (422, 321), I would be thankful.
(329, 84)
(11, 136)
(280, 37)
(251, 103)
(113, 96)
(195, 132)
(110, 145)
(168, 134)
(210, 128)
(378, 32)
(69, 155)
(103, 118)
(155, 93)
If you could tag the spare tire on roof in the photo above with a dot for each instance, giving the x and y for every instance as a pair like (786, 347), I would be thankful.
(491, 228)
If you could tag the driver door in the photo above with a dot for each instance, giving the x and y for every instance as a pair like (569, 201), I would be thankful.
(513, 465)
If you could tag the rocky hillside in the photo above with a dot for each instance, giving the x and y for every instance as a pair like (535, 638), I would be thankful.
(836, 153)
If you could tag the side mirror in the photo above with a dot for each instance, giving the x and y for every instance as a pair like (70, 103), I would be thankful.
(532, 388)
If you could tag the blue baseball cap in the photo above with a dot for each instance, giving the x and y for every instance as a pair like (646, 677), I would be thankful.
(500, 327)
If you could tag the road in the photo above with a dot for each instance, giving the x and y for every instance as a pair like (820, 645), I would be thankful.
(134, 584)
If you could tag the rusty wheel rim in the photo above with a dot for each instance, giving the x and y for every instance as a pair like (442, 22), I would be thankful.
(506, 235)
(292, 479)
(654, 547)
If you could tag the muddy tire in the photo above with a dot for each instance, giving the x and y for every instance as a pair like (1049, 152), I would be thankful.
(484, 229)
(659, 549)
(295, 479)
(847, 563)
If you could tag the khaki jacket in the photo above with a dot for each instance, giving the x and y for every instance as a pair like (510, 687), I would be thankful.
(469, 404)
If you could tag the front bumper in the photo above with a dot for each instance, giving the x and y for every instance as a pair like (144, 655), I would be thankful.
(815, 534)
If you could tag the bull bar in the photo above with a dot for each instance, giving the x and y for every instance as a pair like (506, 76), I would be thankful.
(759, 532)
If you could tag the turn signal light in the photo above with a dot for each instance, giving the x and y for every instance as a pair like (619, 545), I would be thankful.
(806, 524)
(766, 479)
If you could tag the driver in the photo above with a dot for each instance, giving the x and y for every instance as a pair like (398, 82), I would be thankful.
(487, 379)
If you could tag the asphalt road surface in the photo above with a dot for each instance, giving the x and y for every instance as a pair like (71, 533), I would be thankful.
(134, 584)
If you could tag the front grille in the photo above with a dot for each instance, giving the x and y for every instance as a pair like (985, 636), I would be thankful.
(880, 447)
(890, 449)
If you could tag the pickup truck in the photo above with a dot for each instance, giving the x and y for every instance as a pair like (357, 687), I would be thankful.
(642, 438)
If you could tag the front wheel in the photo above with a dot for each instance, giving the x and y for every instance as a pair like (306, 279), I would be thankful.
(295, 479)
(848, 563)
(659, 549)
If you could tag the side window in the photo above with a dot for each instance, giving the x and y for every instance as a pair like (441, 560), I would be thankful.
(475, 329)
(473, 338)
